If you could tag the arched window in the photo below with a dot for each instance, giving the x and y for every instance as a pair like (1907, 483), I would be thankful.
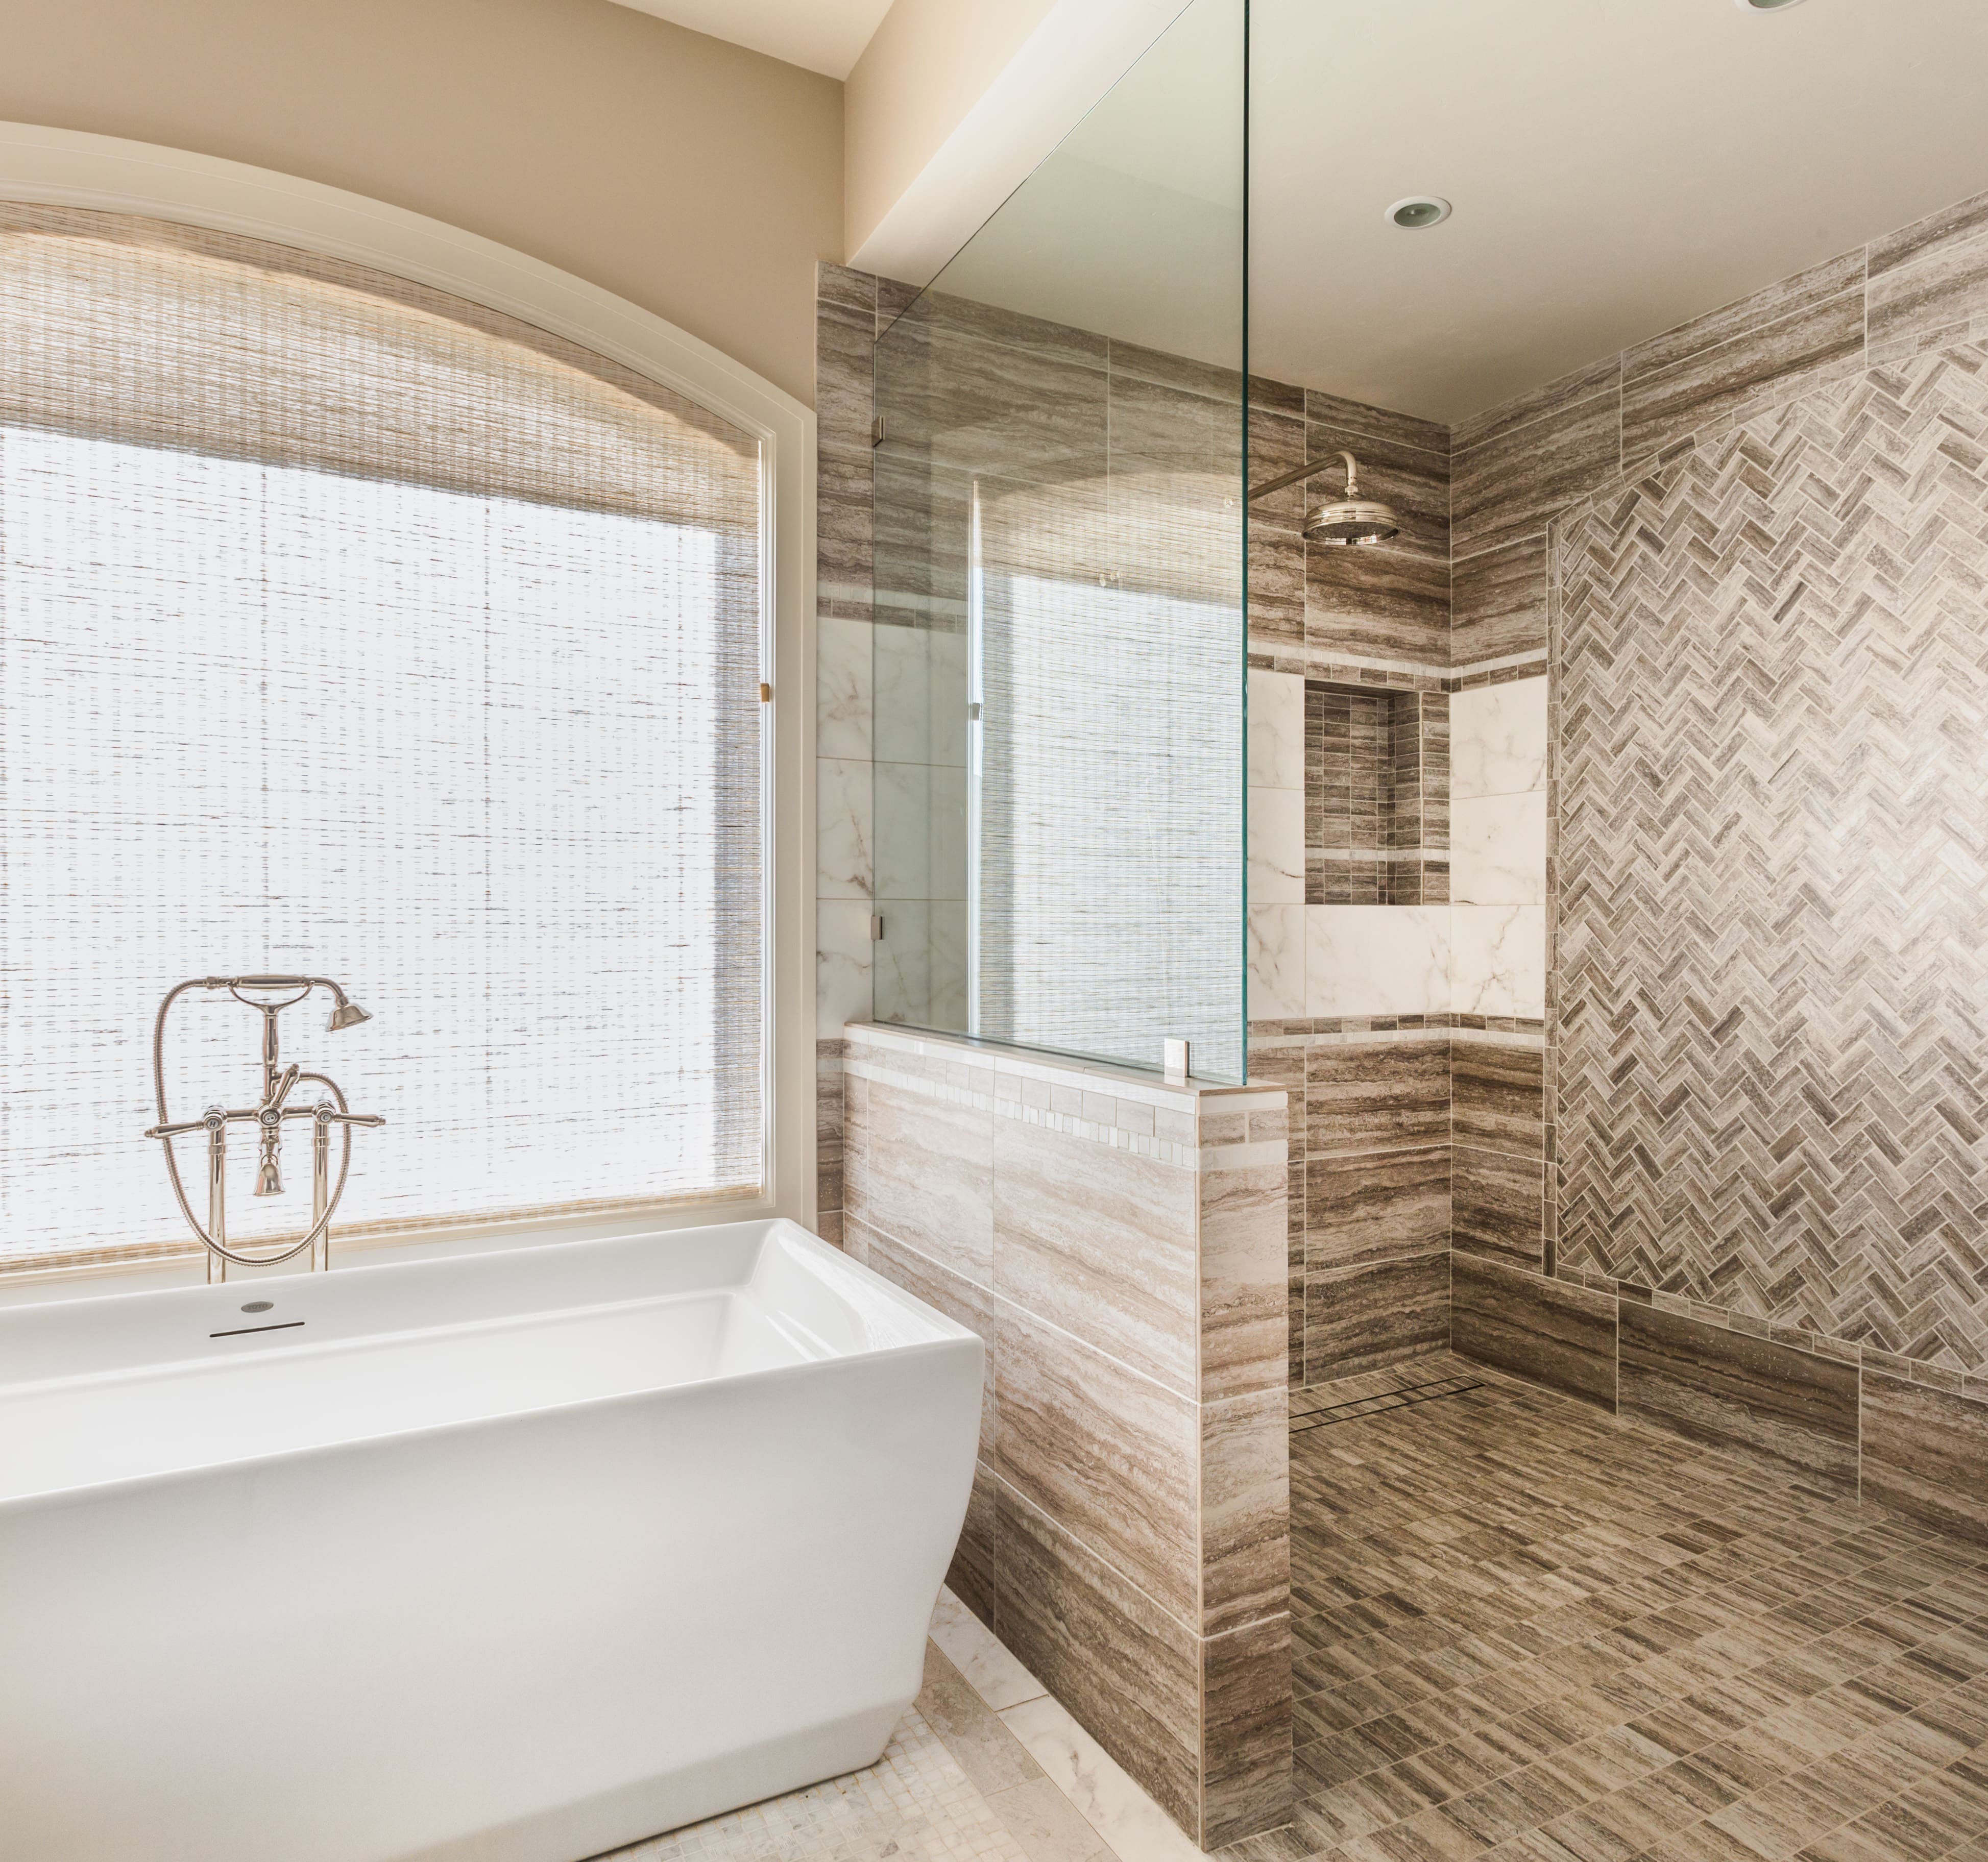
(349, 627)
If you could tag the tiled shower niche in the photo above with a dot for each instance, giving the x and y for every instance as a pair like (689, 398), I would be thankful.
(1377, 795)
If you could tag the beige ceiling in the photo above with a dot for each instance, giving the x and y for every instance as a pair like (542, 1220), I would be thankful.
(823, 35)
(1616, 167)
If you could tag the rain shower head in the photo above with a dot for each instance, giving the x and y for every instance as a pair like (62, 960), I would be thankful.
(1353, 520)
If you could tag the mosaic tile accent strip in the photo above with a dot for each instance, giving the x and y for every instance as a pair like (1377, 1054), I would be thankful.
(1772, 683)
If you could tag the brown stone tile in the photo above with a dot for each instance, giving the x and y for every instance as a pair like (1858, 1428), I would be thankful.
(1928, 282)
(1130, 1673)
(1109, 1455)
(1806, 332)
(1243, 1263)
(1377, 1096)
(920, 1170)
(1246, 1731)
(1377, 601)
(1499, 1099)
(1926, 1453)
(1101, 1242)
(959, 1299)
(1550, 1331)
(1245, 1511)
(1513, 468)
(1369, 1207)
(1793, 1411)
(1361, 1318)
(1276, 585)
(1498, 602)
(1498, 1205)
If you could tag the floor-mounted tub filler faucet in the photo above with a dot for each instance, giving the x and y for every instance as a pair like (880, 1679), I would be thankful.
(268, 1119)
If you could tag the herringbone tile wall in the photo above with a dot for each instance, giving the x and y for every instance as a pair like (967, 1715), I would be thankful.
(1772, 673)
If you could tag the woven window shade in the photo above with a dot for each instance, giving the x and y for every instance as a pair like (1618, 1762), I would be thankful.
(350, 628)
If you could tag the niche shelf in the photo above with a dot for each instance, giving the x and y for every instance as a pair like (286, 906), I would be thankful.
(1377, 795)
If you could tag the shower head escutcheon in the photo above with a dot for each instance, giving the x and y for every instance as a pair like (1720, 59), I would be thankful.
(1351, 519)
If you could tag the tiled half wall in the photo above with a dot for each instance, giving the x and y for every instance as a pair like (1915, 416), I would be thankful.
(1119, 1243)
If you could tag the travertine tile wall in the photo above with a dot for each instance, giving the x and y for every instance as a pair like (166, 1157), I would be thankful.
(1118, 1242)
(1414, 767)
(1763, 540)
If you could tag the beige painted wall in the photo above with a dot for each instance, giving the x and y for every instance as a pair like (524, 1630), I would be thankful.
(930, 61)
(698, 180)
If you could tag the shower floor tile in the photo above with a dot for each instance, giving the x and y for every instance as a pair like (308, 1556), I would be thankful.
(1524, 1633)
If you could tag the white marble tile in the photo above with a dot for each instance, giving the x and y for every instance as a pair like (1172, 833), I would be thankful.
(1276, 960)
(1135, 1828)
(842, 687)
(1276, 846)
(921, 696)
(1498, 959)
(991, 1669)
(845, 829)
(1498, 739)
(842, 965)
(921, 843)
(1276, 730)
(1377, 959)
(1498, 850)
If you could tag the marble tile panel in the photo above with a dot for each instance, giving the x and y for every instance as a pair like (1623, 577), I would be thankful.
(1247, 1716)
(1498, 739)
(1109, 1455)
(1498, 602)
(1245, 1509)
(1243, 1258)
(1549, 1332)
(961, 1300)
(920, 832)
(921, 1171)
(1274, 979)
(919, 968)
(1925, 1455)
(989, 1665)
(1378, 960)
(1414, 480)
(1498, 850)
(842, 965)
(991, 1756)
(1100, 1241)
(920, 681)
(1276, 730)
(845, 829)
(1498, 960)
(1789, 1410)
(1383, 424)
(1276, 846)
(1763, 366)
(1362, 1318)
(1128, 1672)
(1377, 1095)
(1371, 1207)
(1498, 1205)
(842, 688)
(1497, 1097)
(1381, 601)
(1112, 1802)
(1532, 457)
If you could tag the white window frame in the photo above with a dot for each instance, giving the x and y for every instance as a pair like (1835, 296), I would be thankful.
(72, 168)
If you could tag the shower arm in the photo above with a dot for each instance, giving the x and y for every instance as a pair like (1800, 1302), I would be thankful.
(1306, 471)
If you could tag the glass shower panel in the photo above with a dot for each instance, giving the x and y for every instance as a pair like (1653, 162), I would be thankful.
(1059, 659)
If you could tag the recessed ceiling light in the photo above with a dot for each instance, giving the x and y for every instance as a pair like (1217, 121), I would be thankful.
(1763, 6)
(1418, 210)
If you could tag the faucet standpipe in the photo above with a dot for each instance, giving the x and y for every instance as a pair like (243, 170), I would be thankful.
(268, 1118)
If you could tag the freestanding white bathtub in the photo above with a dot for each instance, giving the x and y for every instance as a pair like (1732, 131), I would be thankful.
(521, 1555)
